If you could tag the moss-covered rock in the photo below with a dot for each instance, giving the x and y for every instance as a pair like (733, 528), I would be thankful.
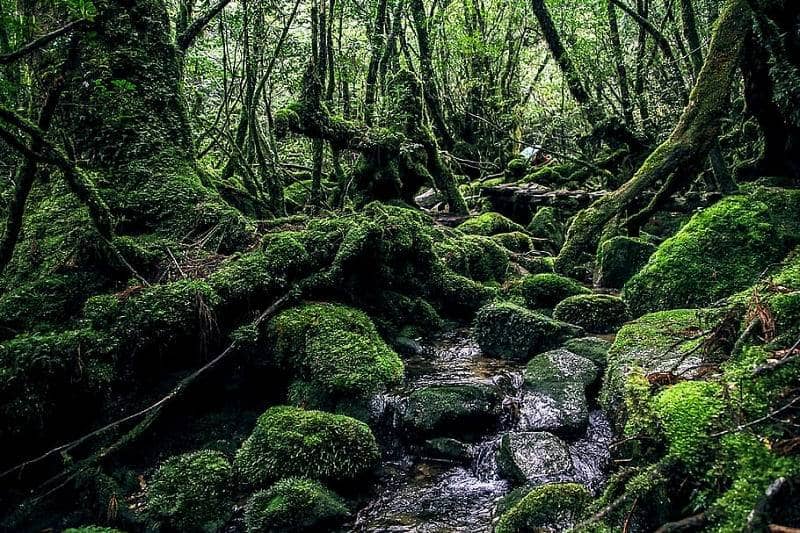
(531, 457)
(294, 504)
(192, 492)
(619, 258)
(596, 313)
(509, 331)
(489, 224)
(517, 167)
(592, 348)
(516, 241)
(547, 290)
(451, 410)
(718, 252)
(334, 354)
(474, 256)
(555, 395)
(448, 449)
(536, 264)
(558, 366)
(551, 507)
(289, 441)
(546, 225)
(658, 342)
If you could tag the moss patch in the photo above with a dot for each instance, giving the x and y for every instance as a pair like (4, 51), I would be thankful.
(294, 504)
(546, 290)
(596, 313)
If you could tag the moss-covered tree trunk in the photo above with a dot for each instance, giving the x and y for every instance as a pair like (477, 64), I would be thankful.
(687, 146)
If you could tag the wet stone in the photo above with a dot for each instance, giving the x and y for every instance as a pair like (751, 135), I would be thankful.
(533, 457)
(451, 410)
(560, 408)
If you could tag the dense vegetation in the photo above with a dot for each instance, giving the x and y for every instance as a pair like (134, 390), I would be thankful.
(230, 226)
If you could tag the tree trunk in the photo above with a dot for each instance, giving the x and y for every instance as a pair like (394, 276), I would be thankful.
(591, 111)
(686, 147)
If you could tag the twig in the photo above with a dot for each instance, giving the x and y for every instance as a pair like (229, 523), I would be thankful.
(757, 421)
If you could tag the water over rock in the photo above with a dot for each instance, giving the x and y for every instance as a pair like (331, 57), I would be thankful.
(451, 410)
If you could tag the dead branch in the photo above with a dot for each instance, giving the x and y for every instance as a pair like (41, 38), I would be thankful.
(44, 40)
(690, 522)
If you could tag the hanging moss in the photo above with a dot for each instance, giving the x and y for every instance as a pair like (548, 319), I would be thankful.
(289, 441)
(192, 492)
(294, 505)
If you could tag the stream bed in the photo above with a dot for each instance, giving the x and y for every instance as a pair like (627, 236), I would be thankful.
(420, 493)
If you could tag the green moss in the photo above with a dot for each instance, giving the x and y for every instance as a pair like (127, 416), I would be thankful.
(296, 195)
(619, 258)
(720, 251)
(555, 506)
(546, 290)
(289, 441)
(335, 351)
(461, 296)
(596, 313)
(453, 410)
(192, 491)
(489, 224)
(46, 377)
(546, 225)
(151, 322)
(516, 241)
(592, 348)
(652, 343)
(474, 256)
(536, 264)
(687, 413)
(516, 168)
(511, 332)
(294, 505)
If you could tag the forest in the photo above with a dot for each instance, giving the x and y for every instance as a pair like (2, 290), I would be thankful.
(399, 266)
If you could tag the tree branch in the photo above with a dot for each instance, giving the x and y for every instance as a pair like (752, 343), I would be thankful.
(43, 41)
(185, 39)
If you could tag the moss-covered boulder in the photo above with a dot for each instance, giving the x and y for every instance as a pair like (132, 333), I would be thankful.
(488, 224)
(536, 264)
(546, 226)
(333, 353)
(555, 393)
(517, 167)
(192, 492)
(289, 441)
(551, 507)
(451, 410)
(658, 342)
(474, 256)
(516, 241)
(593, 348)
(619, 258)
(558, 366)
(596, 313)
(546, 290)
(448, 449)
(531, 457)
(509, 331)
(720, 251)
(294, 504)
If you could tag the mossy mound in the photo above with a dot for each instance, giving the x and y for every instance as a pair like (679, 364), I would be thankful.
(558, 366)
(718, 252)
(619, 258)
(551, 507)
(451, 410)
(192, 492)
(517, 167)
(474, 256)
(546, 290)
(536, 264)
(333, 353)
(596, 313)
(592, 348)
(516, 241)
(653, 343)
(294, 504)
(546, 225)
(290, 441)
(488, 224)
(509, 331)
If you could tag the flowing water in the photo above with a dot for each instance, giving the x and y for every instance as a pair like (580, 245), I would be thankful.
(420, 494)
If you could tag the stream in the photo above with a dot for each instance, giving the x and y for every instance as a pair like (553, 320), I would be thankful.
(420, 493)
